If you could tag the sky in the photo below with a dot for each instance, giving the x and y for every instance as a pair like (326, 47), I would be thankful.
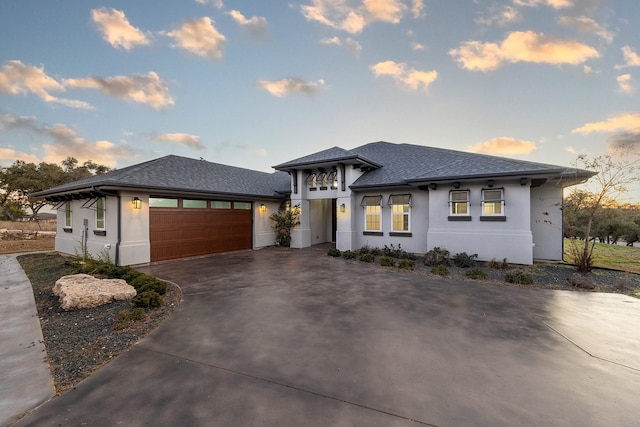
(254, 84)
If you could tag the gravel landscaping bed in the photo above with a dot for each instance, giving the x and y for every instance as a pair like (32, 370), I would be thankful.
(79, 342)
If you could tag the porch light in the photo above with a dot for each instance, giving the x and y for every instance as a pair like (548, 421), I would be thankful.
(433, 185)
(136, 203)
(343, 207)
(490, 183)
(263, 208)
(456, 184)
(523, 181)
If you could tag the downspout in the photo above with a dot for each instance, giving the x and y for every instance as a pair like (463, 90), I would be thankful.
(117, 256)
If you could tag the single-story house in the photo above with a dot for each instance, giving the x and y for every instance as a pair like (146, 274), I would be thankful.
(374, 195)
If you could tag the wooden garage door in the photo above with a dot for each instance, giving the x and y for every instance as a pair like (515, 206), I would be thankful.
(207, 228)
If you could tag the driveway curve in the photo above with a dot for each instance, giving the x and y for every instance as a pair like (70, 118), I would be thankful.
(280, 337)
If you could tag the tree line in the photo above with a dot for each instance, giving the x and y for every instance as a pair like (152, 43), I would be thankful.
(21, 180)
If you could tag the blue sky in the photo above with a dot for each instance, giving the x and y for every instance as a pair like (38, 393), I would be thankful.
(254, 84)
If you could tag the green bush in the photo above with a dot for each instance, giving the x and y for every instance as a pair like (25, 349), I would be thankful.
(519, 277)
(497, 265)
(127, 317)
(387, 261)
(367, 258)
(366, 249)
(334, 253)
(440, 270)
(397, 252)
(476, 273)
(406, 264)
(465, 260)
(144, 283)
(348, 254)
(436, 256)
(147, 299)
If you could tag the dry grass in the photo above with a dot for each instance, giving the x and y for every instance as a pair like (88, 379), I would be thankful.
(33, 245)
(48, 225)
(615, 257)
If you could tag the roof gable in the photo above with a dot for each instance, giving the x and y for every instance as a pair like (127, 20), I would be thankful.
(330, 156)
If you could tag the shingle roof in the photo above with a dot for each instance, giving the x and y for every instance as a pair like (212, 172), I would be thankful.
(403, 163)
(331, 155)
(175, 173)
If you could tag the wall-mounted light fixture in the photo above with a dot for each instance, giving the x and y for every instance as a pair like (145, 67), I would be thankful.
(523, 181)
(433, 185)
(490, 183)
(136, 203)
(343, 207)
(263, 208)
(456, 184)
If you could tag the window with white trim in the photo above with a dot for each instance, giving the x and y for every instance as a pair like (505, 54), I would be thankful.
(372, 213)
(493, 202)
(459, 202)
(400, 212)
(100, 209)
(67, 214)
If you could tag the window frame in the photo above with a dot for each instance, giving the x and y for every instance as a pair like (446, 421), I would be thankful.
(369, 203)
(393, 203)
(101, 209)
(312, 181)
(453, 203)
(68, 215)
(493, 216)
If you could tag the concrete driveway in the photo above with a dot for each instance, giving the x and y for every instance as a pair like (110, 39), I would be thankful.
(295, 338)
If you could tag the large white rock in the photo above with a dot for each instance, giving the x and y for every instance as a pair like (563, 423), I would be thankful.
(85, 291)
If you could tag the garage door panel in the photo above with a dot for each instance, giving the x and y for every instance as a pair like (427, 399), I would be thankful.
(178, 233)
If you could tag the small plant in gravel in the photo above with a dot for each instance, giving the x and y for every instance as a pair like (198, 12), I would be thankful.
(406, 264)
(145, 283)
(366, 249)
(437, 256)
(387, 261)
(519, 278)
(348, 254)
(464, 260)
(334, 253)
(127, 317)
(440, 270)
(147, 299)
(476, 274)
(397, 252)
(367, 258)
(498, 265)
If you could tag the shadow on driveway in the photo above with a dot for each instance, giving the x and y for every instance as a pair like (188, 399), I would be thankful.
(294, 337)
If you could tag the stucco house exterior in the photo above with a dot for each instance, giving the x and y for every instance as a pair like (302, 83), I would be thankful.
(377, 194)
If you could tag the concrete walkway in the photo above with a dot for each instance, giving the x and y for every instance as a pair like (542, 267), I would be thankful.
(25, 379)
(295, 338)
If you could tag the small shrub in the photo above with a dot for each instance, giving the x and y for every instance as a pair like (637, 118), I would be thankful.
(334, 253)
(498, 265)
(519, 277)
(147, 299)
(440, 270)
(127, 317)
(464, 260)
(387, 261)
(348, 254)
(436, 256)
(367, 258)
(144, 283)
(406, 264)
(476, 274)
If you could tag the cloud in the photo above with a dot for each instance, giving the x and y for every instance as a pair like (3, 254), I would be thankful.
(9, 155)
(569, 149)
(116, 29)
(624, 142)
(408, 77)
(191, 141)
(200, 37)
(625, 122)
(587, 25)
(418, 46)
(352, 16)
(289, 85)
(588, 70)
(63, 141)
(556, 4)
(631, 58)
(259, 152)
(503, 145)
(349, 44)
(17, 78)
(626, 84)
(145, 89)
(256, 25)
(417, 8)
(505, 15)
(218, 4)
(521, 46)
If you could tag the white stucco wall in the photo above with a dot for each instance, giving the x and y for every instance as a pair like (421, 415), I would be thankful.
(510, 239)
(546, 222)
(134, 245)
(263, 234)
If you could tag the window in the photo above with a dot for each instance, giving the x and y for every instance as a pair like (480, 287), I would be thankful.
(459, 202)
(312, 181)
(159, 202)
(400, 212)
(67, 215)
(100, 213)
(322, 180)
(242, 205)
(492, 202)
(194, 204)
(333, 180)
(216, 204)
(372, 213)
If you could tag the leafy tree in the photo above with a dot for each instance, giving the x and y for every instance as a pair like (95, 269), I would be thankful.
(614, 175)
(283, 223)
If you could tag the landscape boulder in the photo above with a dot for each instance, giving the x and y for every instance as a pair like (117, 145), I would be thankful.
(85, 291)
